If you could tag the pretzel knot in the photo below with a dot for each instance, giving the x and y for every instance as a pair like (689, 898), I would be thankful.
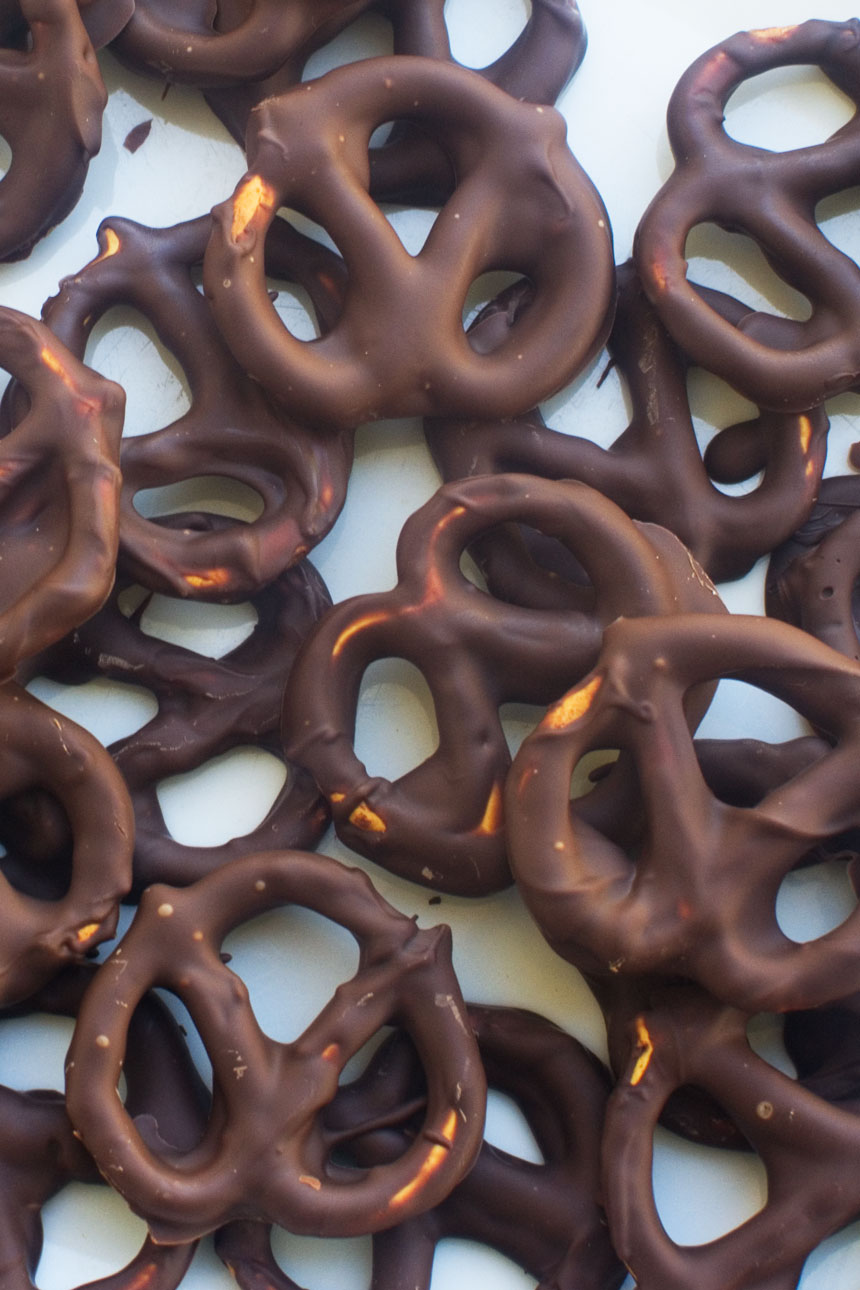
(399, 348)
(442, 823)
(699, 900)
(772, 197)
(264, 1152)
(808, 1148)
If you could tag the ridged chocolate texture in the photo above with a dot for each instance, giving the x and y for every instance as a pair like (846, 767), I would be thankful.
(264, 1151)
(206, 707)
(808, 1148)
(442, 823)
(51, 102)
(232, 430)
(40, 749)
(59, 500)
(410, 166)
(398, 349)
(771, 197)
(699, 899)
(654, 470)
(812, 577)
(545, 1217)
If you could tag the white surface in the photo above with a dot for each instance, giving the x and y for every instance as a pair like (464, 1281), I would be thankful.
(615, 109)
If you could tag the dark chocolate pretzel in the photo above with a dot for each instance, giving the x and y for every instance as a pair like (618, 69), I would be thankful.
(544, 1217)
(40, 749)
(51, 102)
(263, 1154)
(206, 707)
(772, 197)
(398, 348)
(59, 491)
(812, 577)
(441, 824)
(699, 900)
(653, 471)
(231, 430)
(808, 1148)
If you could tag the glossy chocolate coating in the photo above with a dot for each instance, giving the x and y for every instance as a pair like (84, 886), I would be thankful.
(442, 823)
(231, 430)
(545, 1217)
(60, 491)
(264, 1152)
(654, 470)
(807, 1146)
(772, 197)
(206, 707)
(398, 348)
(40, 749)
(699, 900)
(51, 102)
(812, 577)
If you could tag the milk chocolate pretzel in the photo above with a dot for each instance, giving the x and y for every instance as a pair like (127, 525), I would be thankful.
(441, 824)
(263, 1154)
(545, 1217)
(51, 102)
(206, 707)
(699, 900)
(231, 430)
(653, 471)
(40, 1153)
(807, 1146)
(103, 20)
(824, 1045)
(59, 491)
(411, 166)
(40, 749)
(399, 349)
(812, 577)
(772, 197)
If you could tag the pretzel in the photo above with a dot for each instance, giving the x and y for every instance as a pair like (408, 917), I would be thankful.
(442, 824)
(263, 1154)
(39, 748)
(59, 491)
(51, 102)
(398, 348)
(771, 197)
(812, 576)
(808, 1149)
(206, 707)
(653, 471)
(546, 1218)
(824, 1045)
(103, 20)
(699, 899)
(231, 429)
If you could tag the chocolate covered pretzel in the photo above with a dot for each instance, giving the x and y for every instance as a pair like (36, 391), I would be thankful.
(779, 363)
(442, 823)
(206, 707)
(263, 1154)
(231, 430)
(59, 491)
(51, 102)
(654, 470)
(398, 348)
(545, 1217)
(699, 899)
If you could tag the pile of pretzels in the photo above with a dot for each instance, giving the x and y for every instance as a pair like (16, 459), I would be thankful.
(582, 581)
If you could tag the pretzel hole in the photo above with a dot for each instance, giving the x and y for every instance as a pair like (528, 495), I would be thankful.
(369, 36)
(460, 1262)
(412, 225)
(90, 1228)
(701, 1193)
(595, 405)
(765, 1037)
(223, 799)
(723, 422)
(331, 1264)
(734, 263)
(396, 726)
(786, 108)
(591, 770)
(208, 629)
(125, 348)
(36, 845)
(5, 155)
(475, 39)
(110, 710)
(740, 710)
(500, 286)
(836, 217)
(518, 721)
(33, 1051)
(814, 899)
(211, 494)
(291, 960)
(508, 1128)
